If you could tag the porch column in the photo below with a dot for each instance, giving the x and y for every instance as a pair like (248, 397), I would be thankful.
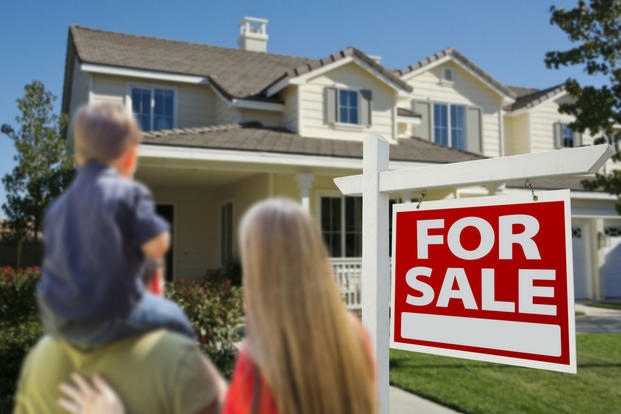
(305, 181)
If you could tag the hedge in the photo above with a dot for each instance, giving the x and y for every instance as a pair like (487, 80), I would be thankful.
(213, 307)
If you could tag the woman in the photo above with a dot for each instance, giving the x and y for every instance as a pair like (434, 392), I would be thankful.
(303, 353)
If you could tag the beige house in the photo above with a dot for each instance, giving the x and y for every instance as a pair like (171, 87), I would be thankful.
(228, 127)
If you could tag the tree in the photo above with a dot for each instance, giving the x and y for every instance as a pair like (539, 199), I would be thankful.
(44, 163)
(596, 31)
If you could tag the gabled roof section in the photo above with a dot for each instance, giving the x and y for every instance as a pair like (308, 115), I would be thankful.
(237, 73)
(233, 72)
(455, 55)
(254, 137)
(530, 98)
(350, 52)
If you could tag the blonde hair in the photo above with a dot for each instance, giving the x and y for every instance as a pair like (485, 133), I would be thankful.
(103, 131)
(299, 333)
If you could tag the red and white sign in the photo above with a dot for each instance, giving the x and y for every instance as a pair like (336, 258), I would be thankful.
(486, 278)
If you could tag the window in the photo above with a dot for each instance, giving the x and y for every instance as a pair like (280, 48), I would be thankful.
(447, 74)
(568, 136)
(348, 106)
(341, 225)
(449, 125)
(153, 108)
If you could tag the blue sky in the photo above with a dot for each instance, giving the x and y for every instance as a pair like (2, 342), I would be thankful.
(508, 38)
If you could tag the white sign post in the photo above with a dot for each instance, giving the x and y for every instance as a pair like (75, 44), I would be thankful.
(377, 182)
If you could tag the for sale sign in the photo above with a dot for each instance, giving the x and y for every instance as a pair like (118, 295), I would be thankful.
(486, 278)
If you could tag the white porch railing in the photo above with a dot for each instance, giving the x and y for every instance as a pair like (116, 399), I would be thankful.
(347, 271)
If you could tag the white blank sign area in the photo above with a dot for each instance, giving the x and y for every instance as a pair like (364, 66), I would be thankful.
(530, 338)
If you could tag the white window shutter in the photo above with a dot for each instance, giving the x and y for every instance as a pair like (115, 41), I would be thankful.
(365, 107)
(558, 135)
(577, 139)
(473, 130)
(423, 108)
(330, 105)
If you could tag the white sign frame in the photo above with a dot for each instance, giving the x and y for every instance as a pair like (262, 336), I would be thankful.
(376, 181)
(558, 195)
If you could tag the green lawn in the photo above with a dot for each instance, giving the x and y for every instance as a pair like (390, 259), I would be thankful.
(479, 387)
(607, 305)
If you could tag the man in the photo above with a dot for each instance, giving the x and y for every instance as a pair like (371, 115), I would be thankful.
(156, 372)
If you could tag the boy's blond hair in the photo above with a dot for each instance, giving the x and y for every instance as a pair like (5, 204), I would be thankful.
(103, 131)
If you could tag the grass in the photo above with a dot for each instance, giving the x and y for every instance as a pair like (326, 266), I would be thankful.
(607, 305)
(478, 387)
(580, 313)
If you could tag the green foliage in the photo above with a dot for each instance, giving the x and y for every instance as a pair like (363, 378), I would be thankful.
(596, 32)
(18, 302)
(215, 310)
(478, 387)
(44, 161)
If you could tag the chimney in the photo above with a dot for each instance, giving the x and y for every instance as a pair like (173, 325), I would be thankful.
(252, 34)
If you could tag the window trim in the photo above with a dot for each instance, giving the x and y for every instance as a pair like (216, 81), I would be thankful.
(223, 204)
(338, 107)
(139, 85)
(443, 80)
(564, 126)
(432, 119)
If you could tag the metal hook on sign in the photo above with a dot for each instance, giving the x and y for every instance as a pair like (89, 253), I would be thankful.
(530, 187)
(422, 197)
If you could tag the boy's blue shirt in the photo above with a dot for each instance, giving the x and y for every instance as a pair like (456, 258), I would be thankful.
(92, 235)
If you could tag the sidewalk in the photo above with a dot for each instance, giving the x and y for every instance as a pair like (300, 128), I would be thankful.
(403, 402)
(597, 320)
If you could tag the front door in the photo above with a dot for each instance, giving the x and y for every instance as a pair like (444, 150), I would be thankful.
(167, 212)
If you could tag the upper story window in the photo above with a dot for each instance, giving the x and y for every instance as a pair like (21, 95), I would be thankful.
(565, 137)
(153, 108)
(568, 136)
(348, 106)
(447, 75)
(449, 125)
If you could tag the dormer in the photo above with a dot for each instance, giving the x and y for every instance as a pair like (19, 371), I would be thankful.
(253, 34)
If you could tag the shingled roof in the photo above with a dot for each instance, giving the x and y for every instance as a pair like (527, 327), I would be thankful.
(528, 97)
(235, 73)
(462, 59)
(254, 137)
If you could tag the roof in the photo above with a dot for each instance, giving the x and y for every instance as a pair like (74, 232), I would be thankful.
(348, 52)
(450, 52)
(532, 97)
(254, 137)
(235, 73)
(407, 112)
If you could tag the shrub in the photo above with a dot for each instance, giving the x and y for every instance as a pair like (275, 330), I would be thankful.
(215, 310)
(15, 342)
(18, 302)
(231, 270)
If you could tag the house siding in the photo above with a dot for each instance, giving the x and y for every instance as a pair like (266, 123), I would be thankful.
(465, 90)
(266, 118)
(79, 93)
(349, 76)
(542, 119)
(290, 114)
(196, 230)
(195, 103)
(516, 135)
(223, 114)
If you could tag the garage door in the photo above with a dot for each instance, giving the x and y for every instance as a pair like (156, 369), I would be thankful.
(579, 238)
(611, 271)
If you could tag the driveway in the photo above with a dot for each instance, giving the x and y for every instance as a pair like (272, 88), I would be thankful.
(597, 320)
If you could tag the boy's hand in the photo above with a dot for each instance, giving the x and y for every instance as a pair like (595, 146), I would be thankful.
(157, 246)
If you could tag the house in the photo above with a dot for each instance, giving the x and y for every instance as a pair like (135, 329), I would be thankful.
(226, 127)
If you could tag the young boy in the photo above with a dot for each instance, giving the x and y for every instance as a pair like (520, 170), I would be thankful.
(97, 235)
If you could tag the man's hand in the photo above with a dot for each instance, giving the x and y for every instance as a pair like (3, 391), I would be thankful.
(84, 398)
